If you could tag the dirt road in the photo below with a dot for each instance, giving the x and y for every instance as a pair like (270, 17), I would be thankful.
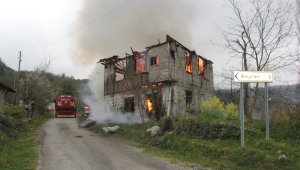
(66, 146)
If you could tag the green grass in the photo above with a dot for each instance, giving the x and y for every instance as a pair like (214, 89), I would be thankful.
(218, 146)
(20, 151)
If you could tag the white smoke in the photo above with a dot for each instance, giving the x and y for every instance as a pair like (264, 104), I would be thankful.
(101, 108)
(110, 27)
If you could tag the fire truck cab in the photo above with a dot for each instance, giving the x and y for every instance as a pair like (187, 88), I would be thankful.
(65, 106)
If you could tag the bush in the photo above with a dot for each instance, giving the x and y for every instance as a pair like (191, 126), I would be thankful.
(15, 111)
(7, 127)
(13, 120)
(214, 109)
(213, 106)
(208, 129)
(231, 111)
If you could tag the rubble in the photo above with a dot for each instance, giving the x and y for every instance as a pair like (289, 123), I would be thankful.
(110, 129)
(282, 158)
(154, 130)
(87, 123)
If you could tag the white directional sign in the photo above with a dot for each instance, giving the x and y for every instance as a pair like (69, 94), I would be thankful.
(253, 76)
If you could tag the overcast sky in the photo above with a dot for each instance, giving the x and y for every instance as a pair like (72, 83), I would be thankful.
(74, 34)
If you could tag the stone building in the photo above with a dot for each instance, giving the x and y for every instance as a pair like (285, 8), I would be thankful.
(165, 79)
(3, 92)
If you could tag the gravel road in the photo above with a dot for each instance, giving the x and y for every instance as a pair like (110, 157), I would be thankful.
(64, 146)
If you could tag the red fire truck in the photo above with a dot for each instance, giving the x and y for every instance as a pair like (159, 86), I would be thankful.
(65, 106)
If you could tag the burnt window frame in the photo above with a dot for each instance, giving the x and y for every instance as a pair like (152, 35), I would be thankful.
(188, 61)
(138, 61)
(204, 67)
(154, 61)
(129, 105)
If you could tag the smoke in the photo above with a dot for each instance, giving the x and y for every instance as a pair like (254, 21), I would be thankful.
(110, 27)
(100, 108)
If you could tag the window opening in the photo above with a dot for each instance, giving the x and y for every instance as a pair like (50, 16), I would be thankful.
(188, 100)
(188, 65)
(154, 61)
(201, 63)
(149, 105)
(140, 62)
(129, 104)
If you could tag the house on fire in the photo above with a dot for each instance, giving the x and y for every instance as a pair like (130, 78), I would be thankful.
(165, 79)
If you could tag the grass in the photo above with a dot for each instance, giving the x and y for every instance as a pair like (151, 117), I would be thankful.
(217, 146)
(20, 151)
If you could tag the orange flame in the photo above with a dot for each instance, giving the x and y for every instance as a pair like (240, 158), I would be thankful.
(188, 68)
(201, 66)
(140, 65)
(188, 65)
(149, 105)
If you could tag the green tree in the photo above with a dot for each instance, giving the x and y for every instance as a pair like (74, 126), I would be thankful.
(68, 86)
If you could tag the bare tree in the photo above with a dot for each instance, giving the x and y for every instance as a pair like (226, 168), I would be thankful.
(259, 34)
(298, 36)
(298, 20)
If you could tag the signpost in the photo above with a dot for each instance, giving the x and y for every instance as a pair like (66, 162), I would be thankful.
(253, 77)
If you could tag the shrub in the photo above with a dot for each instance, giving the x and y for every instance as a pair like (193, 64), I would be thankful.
(15, 111)
(231, 111)
(213, 108)
(7, 127)
(208, 129)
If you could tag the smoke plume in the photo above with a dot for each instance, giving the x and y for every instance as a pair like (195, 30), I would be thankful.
(110, 27)
(100, 108)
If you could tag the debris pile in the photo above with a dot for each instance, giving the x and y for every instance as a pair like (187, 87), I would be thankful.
(282, 158)
(110, 129)
(154, 130)
(87, 123)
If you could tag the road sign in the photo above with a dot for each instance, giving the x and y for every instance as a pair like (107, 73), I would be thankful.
(253, 76)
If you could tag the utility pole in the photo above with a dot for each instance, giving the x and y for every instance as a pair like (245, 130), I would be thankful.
(18, 77)
(20, 59)
(231, 94)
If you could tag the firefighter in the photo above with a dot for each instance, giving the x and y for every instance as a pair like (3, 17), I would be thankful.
(30, 110)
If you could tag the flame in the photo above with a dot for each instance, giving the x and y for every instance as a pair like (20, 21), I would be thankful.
(149, 105)
(188, 68)
(140, 65)
(201, 66)
(144, 87)
(188, 65)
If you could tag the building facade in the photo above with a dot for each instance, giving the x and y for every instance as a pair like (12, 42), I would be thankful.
(165, 79)
(3, 92)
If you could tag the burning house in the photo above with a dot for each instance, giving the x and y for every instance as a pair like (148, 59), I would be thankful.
(165, 79)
